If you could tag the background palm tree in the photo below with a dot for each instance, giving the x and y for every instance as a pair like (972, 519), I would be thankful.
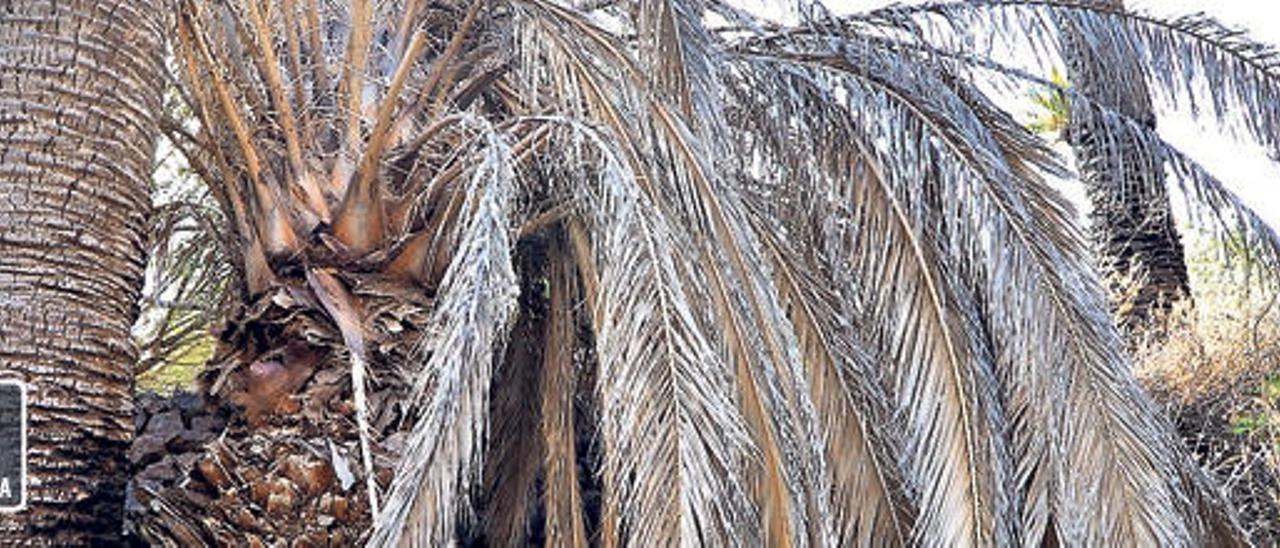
(79, 101)
(1132, 227)
(528, 270)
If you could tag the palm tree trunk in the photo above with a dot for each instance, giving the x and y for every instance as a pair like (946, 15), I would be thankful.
(79, 83)
(1138, 249)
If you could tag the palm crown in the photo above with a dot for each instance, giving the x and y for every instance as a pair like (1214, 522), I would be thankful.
(809, 279)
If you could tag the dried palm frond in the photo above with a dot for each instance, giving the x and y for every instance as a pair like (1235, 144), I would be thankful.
(1192, 62)
(868, 502)
(910, 315)
(453, 375)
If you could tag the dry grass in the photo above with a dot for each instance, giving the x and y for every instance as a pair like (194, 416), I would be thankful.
(1217, 374)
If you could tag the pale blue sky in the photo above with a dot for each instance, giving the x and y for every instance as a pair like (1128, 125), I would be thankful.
(1245, 167)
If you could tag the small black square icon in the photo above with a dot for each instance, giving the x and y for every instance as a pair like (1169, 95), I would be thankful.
(13, 445)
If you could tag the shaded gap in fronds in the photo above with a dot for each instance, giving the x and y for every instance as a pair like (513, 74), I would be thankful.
(586, 412)
(514, 461)
(562, 497)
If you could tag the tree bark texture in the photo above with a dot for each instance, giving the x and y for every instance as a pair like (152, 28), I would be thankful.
(1137, 246)
(81, 86)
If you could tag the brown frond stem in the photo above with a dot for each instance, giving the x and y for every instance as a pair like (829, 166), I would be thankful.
(289, 14)
(269, 67)
(277, 233)
(440, 66)
(354, 64)
(310, 27)
(361, 221)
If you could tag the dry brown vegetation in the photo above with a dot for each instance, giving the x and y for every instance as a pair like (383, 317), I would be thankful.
(1217, 376)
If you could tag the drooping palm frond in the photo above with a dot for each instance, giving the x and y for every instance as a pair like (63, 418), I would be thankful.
(686, 430)
(479, 288)
(829, 298)
(679, 50)
(1192, 64)
(1214, 206)
(1191, 61)
(868, 502)
(675, 177)
(1082, 327)
(876, 219)
(514, 458)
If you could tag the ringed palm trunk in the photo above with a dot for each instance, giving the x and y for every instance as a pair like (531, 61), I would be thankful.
(80, 82)
(1136, 242)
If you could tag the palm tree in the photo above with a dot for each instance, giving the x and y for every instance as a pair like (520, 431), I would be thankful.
(82, 84)
(523, 270)
(1132, 227)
